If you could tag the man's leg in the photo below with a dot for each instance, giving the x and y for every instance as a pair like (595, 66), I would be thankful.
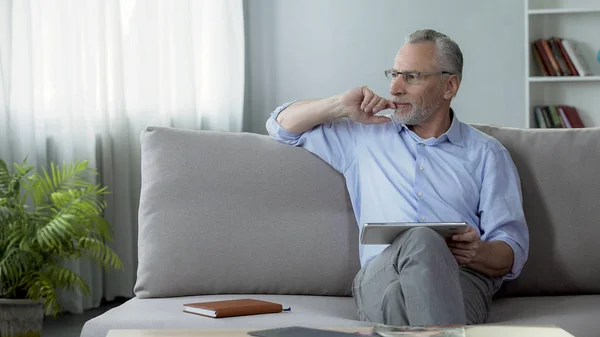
(478, 290)
(416, 281)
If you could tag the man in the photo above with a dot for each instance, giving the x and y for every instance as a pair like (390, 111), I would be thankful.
(422, 165)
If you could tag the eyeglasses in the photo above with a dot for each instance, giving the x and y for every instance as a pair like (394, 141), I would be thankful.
(411, 77)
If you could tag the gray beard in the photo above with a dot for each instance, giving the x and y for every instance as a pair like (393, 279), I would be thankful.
(416, 116)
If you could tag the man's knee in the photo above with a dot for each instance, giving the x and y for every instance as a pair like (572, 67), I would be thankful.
(421, 236)
(422, 243)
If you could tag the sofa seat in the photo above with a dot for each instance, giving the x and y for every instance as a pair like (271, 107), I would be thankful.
(578, 315)
(166, 313)
(575, 314)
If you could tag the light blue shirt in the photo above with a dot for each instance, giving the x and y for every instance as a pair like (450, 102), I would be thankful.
(392, 174)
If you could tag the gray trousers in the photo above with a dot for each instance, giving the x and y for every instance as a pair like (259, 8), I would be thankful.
(417, 281)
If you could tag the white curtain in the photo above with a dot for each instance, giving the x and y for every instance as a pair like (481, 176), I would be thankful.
(80, 79)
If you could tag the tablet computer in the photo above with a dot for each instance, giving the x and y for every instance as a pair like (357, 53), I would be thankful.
(385, 233)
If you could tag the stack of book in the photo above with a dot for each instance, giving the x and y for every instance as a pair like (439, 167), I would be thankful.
(559, 57)
(557, 116)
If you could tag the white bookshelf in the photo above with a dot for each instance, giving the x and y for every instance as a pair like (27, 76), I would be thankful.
(576, 20)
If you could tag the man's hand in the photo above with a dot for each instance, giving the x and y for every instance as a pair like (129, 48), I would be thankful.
(361, 105)
(358, 104)
(465, 246)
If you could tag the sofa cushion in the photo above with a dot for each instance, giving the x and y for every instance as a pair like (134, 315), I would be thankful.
(166, 313)
(560, 177)
(575, 314)
(227, 213)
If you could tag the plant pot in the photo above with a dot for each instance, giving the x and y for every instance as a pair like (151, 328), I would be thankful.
(21, 318)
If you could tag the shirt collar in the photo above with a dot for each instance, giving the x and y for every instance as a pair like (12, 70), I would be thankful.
(453, 134)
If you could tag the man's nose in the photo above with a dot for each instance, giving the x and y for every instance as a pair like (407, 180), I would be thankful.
(398, 86)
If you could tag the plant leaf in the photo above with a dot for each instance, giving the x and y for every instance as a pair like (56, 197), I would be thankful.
(46, 218)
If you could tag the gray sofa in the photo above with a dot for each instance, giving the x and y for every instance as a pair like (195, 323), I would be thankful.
(226, 216)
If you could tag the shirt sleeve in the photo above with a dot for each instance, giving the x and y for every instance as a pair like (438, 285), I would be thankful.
(333, 141)
(501, 208)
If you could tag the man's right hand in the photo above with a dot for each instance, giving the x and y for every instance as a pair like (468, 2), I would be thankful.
(361, 105)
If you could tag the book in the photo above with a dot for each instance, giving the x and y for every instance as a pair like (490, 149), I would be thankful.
(539, 61)
(564, 118)
(556, 120)
(383, 330)
(545, 60)
(553, 61)
(547, 118)
(562, 63)
(573, 116)
(539, 118)
(230, 308)
(576, 57)
(566, 57)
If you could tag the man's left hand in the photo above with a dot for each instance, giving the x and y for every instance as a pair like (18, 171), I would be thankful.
(465, 246)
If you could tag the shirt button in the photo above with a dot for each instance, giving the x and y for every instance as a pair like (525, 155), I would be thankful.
(420, 194)
(421, 144)
(421, 168)
(422, 218)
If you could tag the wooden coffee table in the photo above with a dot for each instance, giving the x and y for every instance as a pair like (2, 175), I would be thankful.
(471, 331)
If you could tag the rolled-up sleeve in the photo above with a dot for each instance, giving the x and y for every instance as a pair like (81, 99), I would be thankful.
(334, 141)
(501, 208)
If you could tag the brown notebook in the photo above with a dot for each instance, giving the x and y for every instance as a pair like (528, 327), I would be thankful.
(231, 308)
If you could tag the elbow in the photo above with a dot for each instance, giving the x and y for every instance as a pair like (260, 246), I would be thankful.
(504, 271)
(285, 123)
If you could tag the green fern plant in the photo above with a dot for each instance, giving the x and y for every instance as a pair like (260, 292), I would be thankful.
(45, 219)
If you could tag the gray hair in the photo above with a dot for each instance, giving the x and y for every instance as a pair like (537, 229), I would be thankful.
(449, 56)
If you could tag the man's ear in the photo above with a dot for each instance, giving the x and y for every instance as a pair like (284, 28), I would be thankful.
(452, 85)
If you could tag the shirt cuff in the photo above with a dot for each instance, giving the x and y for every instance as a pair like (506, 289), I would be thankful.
(518, 258)
(275, 129)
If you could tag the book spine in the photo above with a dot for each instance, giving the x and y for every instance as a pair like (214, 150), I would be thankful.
(575, 55)
(567, 58)
(555, 117)
(250, 310)
(539, 61)
(553, 61)
(573, 117)
(563, 116)
(546, 116)
(558, 56)
(541, 123)
(545, 59)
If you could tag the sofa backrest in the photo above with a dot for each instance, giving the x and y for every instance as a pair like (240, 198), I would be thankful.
(240, 213)
(560, 179)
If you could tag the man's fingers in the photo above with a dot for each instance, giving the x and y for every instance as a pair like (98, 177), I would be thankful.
(462, 245)
(466, 237)
(369, 107)
(461, 260)
(382, 105)
(367, 96)
(461, 252)
(469, 236)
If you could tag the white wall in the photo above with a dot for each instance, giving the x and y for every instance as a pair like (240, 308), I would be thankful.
(302, 49)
